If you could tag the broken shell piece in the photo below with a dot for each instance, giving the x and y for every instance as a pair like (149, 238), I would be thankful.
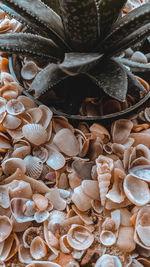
(108, 260)
(41, 216)
(43, 264)
(2, 105)
(125, 241)
(35, 133)
(9, 247)
(83, 168)
(79, 237)
(15, 107)
(91, 189)
(136, 190)
(141, 172)
(4, 197)
(121, 130)
(100, 131)
(80, 199)
(109, 225)
(30, 234)
(20, 189)
(96, 205)
(40, 201)
(56, 220)
(74, 180)
(29, 70)
(11, 122)
(83, 216)
(66, 141)
(9, 166)
(55, 159)
(34, 166)
(22, 209)
(38, 248)
(5, 227)
(107, 238)
(64, 246)
(41, 153)
(50, 238)
(54, 197)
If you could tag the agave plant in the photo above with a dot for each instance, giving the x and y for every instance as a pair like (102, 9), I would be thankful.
(78, 37)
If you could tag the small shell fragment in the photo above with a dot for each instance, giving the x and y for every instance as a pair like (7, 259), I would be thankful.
(107, 238)
(5, 227)
(40, 201)
(38, 248)
(141, 172)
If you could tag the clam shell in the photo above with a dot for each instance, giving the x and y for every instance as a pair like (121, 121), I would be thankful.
(5, 227)
(46, 116)
(11, 122)
(22, 209)
(107, 238)
(91, 189)
(80, 199)
(35, 133)
(21, 152)
(27, 102)
(15, 107)
(55, 159)
(38, 248)
(9, 166)
(40, 201)
(34, 166)
(79, 237)
(29, 70)
(100, 131)
(121, 130)
(136, 190)
(54, 197)
(141, 172)
(83, 168)
(41, 216)
(108, 260)
(125, 241)
(66, 141)
(35, 114)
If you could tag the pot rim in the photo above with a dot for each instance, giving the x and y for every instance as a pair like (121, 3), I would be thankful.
(115, 115)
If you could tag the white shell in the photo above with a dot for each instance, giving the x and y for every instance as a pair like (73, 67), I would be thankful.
(137, 191)
(15, 107)
(54, 197)
(108, 260)
(55, 159)
(38, 248)
(11, 122)
(141, 172)
(91, 189)
(35, 133)
(80, 199)
(34, 166)
(5, 227)
(107, 238)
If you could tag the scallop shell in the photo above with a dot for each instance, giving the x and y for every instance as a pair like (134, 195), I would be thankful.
(34, 166)
(80, 199)
(91, 189)
(55, 159)
(56, 200)
(107, 238)
(5, 227)
(35, 133)
(20, 189)
(121, 130)
(15, 107)
(125, 241)
(136, 190)
(9, 166)
(38, 248)
(108, 260)
(79, 237)
(66, 141)
(141, 172)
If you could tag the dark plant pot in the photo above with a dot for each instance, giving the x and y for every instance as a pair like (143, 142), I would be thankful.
(15, 69)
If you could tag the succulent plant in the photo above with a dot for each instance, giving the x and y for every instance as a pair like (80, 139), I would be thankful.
(79, 37)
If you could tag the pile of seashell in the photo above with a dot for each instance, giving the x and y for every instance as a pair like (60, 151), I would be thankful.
(70, 196)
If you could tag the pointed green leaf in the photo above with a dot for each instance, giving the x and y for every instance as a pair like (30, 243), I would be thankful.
(80, 20)
(30, 45)
(134, 66)
(75, 63)
(125, 26)
(109, 11)
(45, 18)
(46, 79)
(112, 78)
(54, 4)
(129, 40)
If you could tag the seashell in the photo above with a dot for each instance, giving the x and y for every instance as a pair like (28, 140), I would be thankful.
(139, 57)
(35, 133)
(121, 130)
(141, 138)
(11, 122)
(63, 181)
(95, 149)
(55, 159)
(30, 234)
(27, 102)
(5, 227)
(54, 197)
(83, 168)
(125, 217)
(74, 180)
(116, 194)
(29, 70)
(40, 202)
(46, 116)
(91, 189)
(83, 142)
(108, 260)
(64, 193)
(83, 215)
(115, 216)
(24, 255)
(144, 262)
(20, 189)
(22, 209)
(2, 105)
(79, 237)
(141, 172)
(4, 143)
(20, 227)
(56, 220)
(9, 247)
(38, 248)
(125, 241)
(50, 238)
(16, 133)
(41, 216)
(64, 246)
(107, 238)
(66, 141)
(21, 152)
(41, 153)
(109, 225)
(100, 131)
(14, 107)
(34, 166)
(61, 123)
(139, 161)
(96, 205)
(35, 114)
(9, 166)
(4, 197)
(43, 264)
(137, 191)
(110, 205)
(80, 199)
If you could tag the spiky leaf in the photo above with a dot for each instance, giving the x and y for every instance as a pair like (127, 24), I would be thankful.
(31, 45)
(46, 79)
(126, 26)
(75, 63)
(54, 4)
(45, 18)
(134, 66)
(109, 11)
(134, 86)
(80, 22)
(112, 78)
